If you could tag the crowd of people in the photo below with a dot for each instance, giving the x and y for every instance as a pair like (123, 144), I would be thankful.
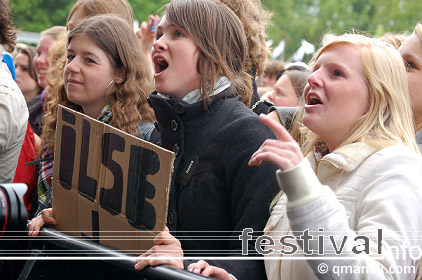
(327, 149)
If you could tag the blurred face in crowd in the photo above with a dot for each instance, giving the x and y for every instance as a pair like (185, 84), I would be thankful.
(411, 51)
(89, 75)
(26, 83)
(336, 94)
(284, 94)
(175, 57)
(269, 80)
(41, 59)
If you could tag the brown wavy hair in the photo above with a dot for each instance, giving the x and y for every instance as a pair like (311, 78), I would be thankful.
(7, 29)
(116, 38)
(255, 21)
(220, 37)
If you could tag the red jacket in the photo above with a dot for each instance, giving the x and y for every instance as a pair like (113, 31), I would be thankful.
(27, 174)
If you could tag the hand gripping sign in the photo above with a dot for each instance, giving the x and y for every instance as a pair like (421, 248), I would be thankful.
(108, 185)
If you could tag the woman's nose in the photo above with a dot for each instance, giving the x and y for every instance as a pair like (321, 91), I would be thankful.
(41, 59)
(159, 44)
(72, 66)
(18, 71)
(271, 96)
(314, 79)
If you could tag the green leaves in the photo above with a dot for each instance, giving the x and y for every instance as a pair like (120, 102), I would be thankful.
(292, 20)
(310, 19)
(38, 15)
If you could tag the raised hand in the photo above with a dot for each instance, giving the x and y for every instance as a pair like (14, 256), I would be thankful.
(285, 152)
(146, 34)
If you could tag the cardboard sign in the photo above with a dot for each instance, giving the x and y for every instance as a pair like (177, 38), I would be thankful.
(109, 185)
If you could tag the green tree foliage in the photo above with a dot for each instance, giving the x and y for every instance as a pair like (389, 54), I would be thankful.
(292, 20)
(142, 8)
(310, 19)
(38, 15)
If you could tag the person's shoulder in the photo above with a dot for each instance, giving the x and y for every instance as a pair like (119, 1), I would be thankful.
(145, 130)
(394, 173)
(396, 159)
(399, 151)
(8, 86)
(5, 74)
(242, 114)
(245, 123)
(8, 60)
(286, 115)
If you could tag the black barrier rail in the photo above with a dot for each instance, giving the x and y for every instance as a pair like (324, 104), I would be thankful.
(123, 266)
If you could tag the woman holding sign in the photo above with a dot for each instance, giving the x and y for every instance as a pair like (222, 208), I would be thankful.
(201, 104)
(105, 78)
(357, 194)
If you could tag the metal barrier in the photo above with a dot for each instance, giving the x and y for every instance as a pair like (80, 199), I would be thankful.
(122, 268)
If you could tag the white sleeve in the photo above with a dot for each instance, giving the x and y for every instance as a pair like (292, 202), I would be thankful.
(300, 184)
(391, 201)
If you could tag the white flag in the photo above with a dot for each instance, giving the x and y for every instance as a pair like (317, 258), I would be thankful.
(305, 48)
(278, 50)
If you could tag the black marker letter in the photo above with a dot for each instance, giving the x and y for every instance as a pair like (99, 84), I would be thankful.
(67, 150)
(111, 199)
(140, 213)
(87, 185)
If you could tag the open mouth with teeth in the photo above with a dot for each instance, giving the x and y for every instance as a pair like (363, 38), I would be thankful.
(160, 65)
(314, 100)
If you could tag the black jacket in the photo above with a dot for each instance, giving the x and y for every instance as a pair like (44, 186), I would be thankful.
(36, 113)
(225, 195)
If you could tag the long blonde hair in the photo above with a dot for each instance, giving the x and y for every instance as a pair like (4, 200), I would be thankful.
(418, 30)
(90, 8)
(389, 119)
(54, 32)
